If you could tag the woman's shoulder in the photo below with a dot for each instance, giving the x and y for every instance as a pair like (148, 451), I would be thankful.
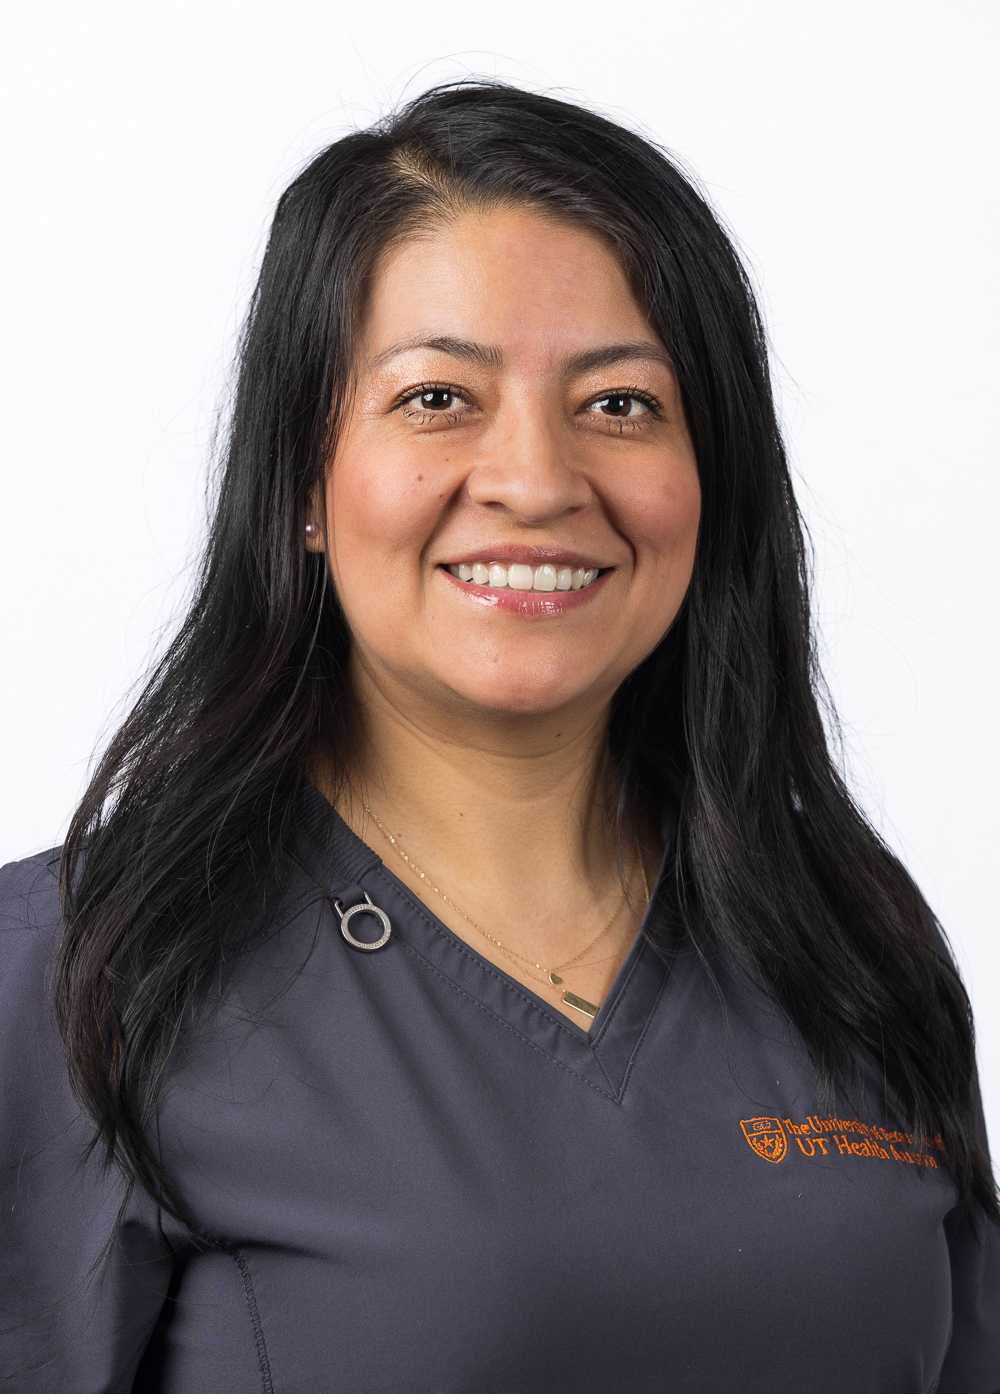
(30, 918)
(36, 1087)
(26, 872)
(29, 893)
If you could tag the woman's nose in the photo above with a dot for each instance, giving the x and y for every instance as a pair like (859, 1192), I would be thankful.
(528, 470)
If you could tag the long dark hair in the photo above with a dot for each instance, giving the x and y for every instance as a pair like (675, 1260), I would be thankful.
(192, 802)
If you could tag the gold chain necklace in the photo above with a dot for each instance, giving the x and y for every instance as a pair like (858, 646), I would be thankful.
(552, 977)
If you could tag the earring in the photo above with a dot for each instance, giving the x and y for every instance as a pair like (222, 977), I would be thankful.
(312, 530)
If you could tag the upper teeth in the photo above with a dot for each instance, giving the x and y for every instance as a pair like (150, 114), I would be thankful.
(526, 578)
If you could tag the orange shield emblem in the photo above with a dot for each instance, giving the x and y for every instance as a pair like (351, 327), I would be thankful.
(766, 1136)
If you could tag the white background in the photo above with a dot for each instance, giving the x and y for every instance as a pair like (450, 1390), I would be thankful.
(851, 148)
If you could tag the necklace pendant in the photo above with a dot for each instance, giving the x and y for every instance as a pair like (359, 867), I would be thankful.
(580, 1004)
(555, 979)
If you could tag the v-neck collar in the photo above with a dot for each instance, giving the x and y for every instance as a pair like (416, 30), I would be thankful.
(603, 1056)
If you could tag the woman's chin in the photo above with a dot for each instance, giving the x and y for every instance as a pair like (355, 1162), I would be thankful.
(458, 683)
(522, 696)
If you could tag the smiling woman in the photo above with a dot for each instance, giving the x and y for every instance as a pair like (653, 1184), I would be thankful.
(471, 971)
(490, 428)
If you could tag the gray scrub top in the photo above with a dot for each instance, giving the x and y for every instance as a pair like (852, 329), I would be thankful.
(415, 1176)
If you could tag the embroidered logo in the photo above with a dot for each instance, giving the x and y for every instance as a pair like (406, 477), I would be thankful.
(845, 1137)
(766, 1136)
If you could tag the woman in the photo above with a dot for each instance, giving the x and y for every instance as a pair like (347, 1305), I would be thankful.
(471, 972)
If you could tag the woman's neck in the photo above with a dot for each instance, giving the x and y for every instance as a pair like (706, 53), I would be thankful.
(509, 819)
(489, 800)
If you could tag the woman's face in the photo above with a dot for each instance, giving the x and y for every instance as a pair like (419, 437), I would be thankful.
(516, 419)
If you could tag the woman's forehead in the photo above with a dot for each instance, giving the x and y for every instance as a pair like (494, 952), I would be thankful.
(512, 283)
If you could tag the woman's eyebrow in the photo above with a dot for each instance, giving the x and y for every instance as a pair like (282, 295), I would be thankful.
(612, 354)
(486, 355)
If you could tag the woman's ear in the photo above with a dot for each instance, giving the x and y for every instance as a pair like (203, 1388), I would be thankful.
(315, 539)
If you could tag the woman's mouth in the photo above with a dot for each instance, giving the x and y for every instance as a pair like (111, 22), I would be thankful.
(521, 577)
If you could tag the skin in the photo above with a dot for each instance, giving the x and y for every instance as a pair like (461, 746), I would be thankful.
(487, 722)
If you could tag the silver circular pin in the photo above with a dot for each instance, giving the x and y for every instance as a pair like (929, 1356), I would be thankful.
(366, 907)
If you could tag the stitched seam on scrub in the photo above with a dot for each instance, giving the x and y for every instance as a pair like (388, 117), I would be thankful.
(620, 1091)
(478, 961)
(507, 1026)
(611, 1092)
(638, 1045)
(619, 999)
(258, 1330)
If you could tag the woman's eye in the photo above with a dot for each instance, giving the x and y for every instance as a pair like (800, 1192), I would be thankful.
(620, 404)
(436, 399)
(434, 405)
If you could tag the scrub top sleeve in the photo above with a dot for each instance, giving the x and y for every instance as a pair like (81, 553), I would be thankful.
(76, 1308)
(972, 1364)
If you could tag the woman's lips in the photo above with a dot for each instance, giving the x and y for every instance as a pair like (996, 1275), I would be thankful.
(520, 576)
(525, 600)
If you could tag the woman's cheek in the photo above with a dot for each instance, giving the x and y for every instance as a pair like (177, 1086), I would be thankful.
(663, 518)
(383, 502)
